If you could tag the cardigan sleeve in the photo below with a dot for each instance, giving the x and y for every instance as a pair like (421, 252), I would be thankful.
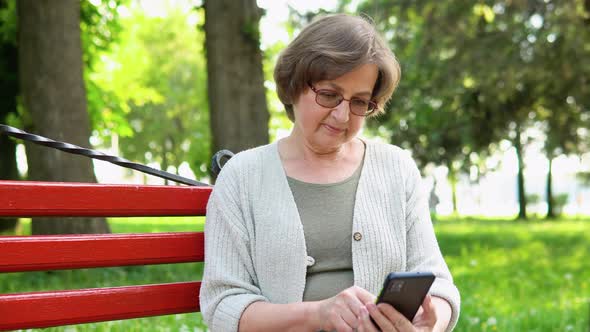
(228, 284)
(423, 252)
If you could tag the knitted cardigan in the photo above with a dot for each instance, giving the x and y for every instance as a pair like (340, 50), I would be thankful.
(255, 246)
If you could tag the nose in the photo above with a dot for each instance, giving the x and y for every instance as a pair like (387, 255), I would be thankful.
(342, 111)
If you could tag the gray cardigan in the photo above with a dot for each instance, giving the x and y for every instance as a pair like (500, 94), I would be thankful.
(255, 246)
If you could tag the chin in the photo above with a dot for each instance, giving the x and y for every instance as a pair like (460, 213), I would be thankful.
(331, 145)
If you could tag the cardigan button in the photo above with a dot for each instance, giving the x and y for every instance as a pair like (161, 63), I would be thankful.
(310, 261)
(357, 236)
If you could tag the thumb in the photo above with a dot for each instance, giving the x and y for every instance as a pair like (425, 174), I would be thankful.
(429, 308)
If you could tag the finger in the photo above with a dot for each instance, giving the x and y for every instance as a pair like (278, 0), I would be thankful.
(341, 325)
(421, 311)
(399, 321)
(349, 317)
(365, 322)
(428, 308)
(364, 295)
(427, 304)
(380, 319)
(427, 300)
(354, 303)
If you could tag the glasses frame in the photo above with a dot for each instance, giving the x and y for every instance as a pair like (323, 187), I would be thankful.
(372, 104)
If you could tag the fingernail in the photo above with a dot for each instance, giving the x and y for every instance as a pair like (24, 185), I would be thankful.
(371, 306)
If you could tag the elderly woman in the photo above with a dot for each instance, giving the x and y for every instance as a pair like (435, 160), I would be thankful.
(301, 233)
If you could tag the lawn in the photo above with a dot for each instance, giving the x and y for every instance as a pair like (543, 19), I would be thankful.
(513, 276)
(520, 276)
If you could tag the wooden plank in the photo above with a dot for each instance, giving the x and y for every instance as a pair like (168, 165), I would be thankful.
(28, 199)
(54, 252)
(46, 309)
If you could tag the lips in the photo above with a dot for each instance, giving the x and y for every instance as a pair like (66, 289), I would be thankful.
(332, 129)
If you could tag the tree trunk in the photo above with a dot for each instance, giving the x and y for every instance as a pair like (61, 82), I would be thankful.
(237, 101)
(520, 177)
(8, 171)
(453, 182)
(549, 190)
(165, 158)
(8, 94)
(51, 81)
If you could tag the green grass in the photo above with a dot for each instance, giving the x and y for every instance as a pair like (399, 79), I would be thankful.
(513, 276)
(520, 276)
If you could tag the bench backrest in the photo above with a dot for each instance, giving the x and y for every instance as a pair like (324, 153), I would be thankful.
(55, 252)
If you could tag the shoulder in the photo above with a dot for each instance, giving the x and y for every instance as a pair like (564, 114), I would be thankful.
(389, 155)
(247, 160)
(245, 166)
(396, 164)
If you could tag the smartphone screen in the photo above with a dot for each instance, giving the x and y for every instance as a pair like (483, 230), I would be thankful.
(406, 291)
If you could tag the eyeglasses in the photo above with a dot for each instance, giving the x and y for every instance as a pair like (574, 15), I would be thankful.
(331, 99)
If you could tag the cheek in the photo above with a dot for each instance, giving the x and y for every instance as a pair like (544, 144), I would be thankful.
(310, 120)
(307, 113)
(356, 123)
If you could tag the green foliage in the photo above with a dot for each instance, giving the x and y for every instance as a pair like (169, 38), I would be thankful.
(560, 39)
(478, 73)
(473, 73)
(8, 21)
(584, 177)
(533, 198)
(99, 31)
(100, 28)
(278, 116)
(154, 91)
(559, 201)
(251, 32)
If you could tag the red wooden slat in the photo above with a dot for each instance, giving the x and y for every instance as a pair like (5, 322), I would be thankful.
(28, 198)
(45, 309)
(53, 252)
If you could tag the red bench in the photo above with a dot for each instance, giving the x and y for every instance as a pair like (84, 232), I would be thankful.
(57, 252)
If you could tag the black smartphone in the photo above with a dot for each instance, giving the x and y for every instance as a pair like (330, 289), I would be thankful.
(406, 291)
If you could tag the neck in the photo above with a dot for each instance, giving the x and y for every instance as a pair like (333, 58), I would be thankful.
(298, 148)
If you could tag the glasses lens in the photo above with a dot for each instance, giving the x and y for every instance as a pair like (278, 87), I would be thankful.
(328, 98)
(360, 106)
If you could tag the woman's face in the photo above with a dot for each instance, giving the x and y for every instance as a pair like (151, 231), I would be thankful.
(324, 129)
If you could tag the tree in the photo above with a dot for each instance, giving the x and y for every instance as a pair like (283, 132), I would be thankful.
(561, 37)
(52, 86)
(478, 73)
(8, 94)
(237, 103)
(153, 90)
(440, 111)
(101, 28)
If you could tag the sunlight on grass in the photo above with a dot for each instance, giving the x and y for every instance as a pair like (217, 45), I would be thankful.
(139, 225)
(519, 276)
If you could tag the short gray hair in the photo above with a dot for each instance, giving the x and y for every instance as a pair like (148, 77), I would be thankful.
(330, 47)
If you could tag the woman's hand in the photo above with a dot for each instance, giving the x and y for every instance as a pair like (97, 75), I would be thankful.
(346, 311)
(389, 320)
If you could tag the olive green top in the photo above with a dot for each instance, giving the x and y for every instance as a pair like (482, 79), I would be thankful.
(326, 212)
